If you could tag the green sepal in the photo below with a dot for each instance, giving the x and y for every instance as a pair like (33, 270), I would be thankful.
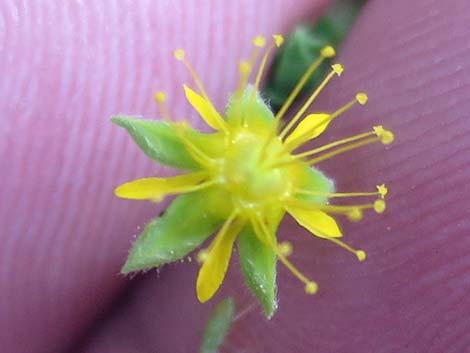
(218, 326)
(315, 180)
(249, 106)
(258, 263)
(189, 220)
(161, 141)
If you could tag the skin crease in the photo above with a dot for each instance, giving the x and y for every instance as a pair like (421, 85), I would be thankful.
(64, 236)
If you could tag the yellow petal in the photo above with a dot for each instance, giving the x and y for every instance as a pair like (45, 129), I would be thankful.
(215, 265)
(205, 109)
(157, 188)
(317, 222)
(310, 127)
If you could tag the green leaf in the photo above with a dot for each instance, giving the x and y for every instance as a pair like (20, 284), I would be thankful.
(160, 141)
(189, 220)
(258, 263)
(218, 326)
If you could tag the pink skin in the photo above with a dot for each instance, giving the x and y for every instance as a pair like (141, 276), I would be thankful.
(64, 236)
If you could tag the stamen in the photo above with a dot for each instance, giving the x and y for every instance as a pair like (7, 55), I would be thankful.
(334, 144)
(360, 98)
(341, 194)
(181, 56)
(360, 254)
(160, 99)
(386, 136)
(382, 190)
(326, 52)
(278, 40)
(353, 212)
(244, 70)
(203, 254)
(285, 248)
(259, 226)
(342, 150)
(245, 67)
(336, 69)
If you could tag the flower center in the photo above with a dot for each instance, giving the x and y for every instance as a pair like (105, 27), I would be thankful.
(248, 170)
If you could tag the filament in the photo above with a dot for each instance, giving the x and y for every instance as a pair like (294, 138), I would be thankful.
(181, 56)
(245, 67)
(360, 254)
(343, 150)
(334, 144)
(261, 228)
(278, 40)
(326, 52)
(360, 98)
(337, 69)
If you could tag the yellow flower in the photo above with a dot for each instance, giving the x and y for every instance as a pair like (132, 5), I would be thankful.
(245, 176)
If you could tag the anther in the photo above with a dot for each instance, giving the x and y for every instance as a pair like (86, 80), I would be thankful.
(379, 206)
(179, 54)
(278, 39)
(202, 256)
(382, 190)
(311, 288)
(328, 52)
(259, 41)
(338, 69)
(244, 67)
(362, 98)
(277, 42)
(355, 215)
(386, 136)
(285, 248)
(160, 97)
(361, 255)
